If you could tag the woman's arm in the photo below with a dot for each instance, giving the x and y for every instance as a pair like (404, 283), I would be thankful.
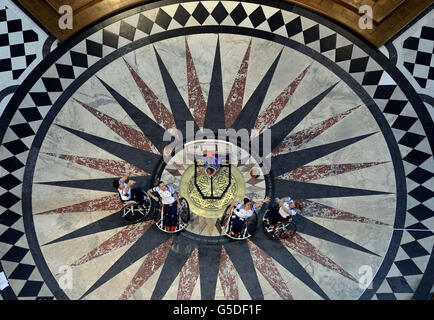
(150, 193)
(127, 188)
(260, 203)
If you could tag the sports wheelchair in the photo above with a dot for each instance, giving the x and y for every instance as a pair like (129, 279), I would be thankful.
(183, 216)
(281, 230)
(249, 228)
(134, 211)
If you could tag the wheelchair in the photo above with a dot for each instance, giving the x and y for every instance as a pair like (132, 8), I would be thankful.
(282, 230)
(183, 216)
(134, 211)
(249, 228)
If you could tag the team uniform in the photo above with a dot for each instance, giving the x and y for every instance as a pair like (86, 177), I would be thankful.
(239, 217)
(280, 215)
(170, 210)
(135, 194)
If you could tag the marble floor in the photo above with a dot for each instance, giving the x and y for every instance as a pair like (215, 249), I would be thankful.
(343, 128)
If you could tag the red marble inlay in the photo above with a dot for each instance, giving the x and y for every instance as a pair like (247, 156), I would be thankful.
(234, 103)
(302, 246)
(268, 269)
(195, 96)
(228, 277)
(269, 116)
(296, 140)
(189, 275)
(153, 261)
(114, 167)
(309, 173)
(127, 235)
(108, 203)
(314, 209)
(161, 113)
(134, 137)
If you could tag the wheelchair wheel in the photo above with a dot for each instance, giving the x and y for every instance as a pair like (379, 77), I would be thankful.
(252, 224)
(157, 211)
(133, 213)
(285, 230)
(185, 210)
(225, 218)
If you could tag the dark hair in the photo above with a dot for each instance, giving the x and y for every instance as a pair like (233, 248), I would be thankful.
(246, 200)
(298, 206)
(115, 184)
(159, 182)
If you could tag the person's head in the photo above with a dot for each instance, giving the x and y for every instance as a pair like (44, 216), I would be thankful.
(292, 205)
(247, 204)
(298, 206)
(162, 186)
(116, 184)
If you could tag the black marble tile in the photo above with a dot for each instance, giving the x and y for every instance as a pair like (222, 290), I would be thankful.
(40, 98)
(14, 26)
(421, 194)
(22, 272)
(9, 182)
(22, 130)
(93, 48)
(238, 14)
(411, 139)
(65, 71)
(110, 39)
(200, 13)
(414, 249)
(294, 27)
(31, 289)
(79, 59)
(416, 157)
(163, 19)
(181, 15)
(404, 123)
(399, 285)
(257, 17)
(420, 175)
(11, 236)
(11, 164)
(15, 254)
(276, 21)
(7, 200)
(30, 114)
(127, 31)
(344, 53)
(16, 147)
(421, 212)
(9, 217)
(408, 267)
(328, 43)
(52, 84)
(219, 13)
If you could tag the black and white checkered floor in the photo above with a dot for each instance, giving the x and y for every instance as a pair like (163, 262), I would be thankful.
(399, 77)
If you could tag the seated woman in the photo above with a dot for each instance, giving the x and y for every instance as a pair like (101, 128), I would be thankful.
(283, 211)
(242, 212)
(126, 191)
(169, 199)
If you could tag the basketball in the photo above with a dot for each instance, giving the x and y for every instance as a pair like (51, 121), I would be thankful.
(254, 173)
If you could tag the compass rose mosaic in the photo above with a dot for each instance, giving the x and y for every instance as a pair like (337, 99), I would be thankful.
(106, 100)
